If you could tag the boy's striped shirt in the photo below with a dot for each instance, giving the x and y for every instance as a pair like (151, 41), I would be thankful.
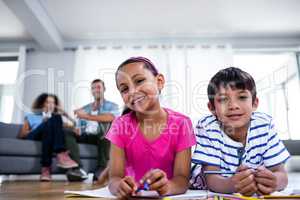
(263, 146)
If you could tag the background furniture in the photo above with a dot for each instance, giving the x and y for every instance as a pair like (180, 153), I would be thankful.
(19, 156)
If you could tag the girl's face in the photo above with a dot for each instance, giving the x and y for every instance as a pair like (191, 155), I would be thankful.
(139, 88)
(49, 105)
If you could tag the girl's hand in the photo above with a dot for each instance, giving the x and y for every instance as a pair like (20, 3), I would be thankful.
(126, 187)
(157, 180)
(243, 181)
(266, 181)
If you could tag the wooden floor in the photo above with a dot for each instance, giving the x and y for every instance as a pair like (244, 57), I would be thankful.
(35, 190)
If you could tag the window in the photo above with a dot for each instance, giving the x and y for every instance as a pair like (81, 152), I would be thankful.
(8, 75)
(278, 88)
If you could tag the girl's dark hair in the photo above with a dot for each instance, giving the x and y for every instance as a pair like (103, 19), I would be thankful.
(126, 110)
(230, 77)
(147, 64)
(38, 103)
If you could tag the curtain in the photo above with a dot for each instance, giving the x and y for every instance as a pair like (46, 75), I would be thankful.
(18, 110)
(187, 70)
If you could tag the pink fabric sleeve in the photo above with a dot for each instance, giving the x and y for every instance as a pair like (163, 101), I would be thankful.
(186, 136)
(115, 133)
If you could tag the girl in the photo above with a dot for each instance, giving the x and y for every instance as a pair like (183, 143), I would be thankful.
(150, 144)
(45, 124)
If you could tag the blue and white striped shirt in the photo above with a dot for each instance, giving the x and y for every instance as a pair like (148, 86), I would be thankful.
(215, 148)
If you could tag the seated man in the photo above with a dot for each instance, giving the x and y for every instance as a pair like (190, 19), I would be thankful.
(94, 119)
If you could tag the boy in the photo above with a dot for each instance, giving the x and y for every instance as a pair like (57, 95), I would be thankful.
(237, 139)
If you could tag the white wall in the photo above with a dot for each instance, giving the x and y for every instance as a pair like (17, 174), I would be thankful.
(48, 72)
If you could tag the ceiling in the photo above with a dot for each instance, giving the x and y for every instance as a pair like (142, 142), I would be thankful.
(94, 19)
(11, 28)
(89, 20)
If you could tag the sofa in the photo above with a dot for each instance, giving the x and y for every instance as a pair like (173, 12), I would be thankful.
(19, 156)
(293, 164)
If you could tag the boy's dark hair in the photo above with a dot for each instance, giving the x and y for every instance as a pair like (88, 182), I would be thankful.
(98, 81)
(230, 77)
(38, 103)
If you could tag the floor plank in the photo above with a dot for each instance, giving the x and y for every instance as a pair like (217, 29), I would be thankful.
(35, 190)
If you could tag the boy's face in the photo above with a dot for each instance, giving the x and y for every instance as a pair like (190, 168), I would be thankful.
(233, 107)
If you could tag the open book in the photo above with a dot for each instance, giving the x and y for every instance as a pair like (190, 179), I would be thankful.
(190, 194)
(105, 193)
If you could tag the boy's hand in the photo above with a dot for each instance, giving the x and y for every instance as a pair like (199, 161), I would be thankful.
(244, 181)
(126, 187)
(266, 181)
(157, 180)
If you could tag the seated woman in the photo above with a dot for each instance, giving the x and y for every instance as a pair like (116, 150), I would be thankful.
(45, 124)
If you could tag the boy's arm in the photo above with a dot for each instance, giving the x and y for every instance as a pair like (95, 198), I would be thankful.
(242, 182)
(281, 176)
(271, 179)
(217, 183)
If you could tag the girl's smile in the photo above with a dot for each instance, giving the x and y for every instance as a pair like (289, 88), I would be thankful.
(139, 88)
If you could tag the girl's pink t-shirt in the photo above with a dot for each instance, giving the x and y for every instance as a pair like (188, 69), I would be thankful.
(142, 155)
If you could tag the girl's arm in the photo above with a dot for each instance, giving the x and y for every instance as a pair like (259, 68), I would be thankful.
(24, 130)
(182, 165)
(118, 184)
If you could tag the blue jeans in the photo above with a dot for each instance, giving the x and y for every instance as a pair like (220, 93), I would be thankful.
(51, 134)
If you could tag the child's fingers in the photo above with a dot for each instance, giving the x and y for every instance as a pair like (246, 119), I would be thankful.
(159, 184)
(163, 190)
(248, 180)
(247, 185)
(264, 189)
(266, 182)
(249, 190)
(152, 176)
(130, 182)
(146, 176)
(126, 187)
(244, 174)
(242, 168)
(121, 194)
(265, 173)
(156, 176)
